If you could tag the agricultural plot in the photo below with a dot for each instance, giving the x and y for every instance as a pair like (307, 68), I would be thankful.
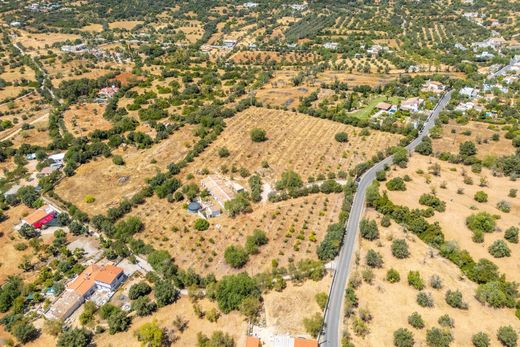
(113, 182)
(380, 295)
(480, 134)
(294, 229)
(460, 206)
(37, 42)
(82, 119)
(295, 141)
(36, 135)
(233, 324)
(287, 97)
(124, 24)
(260, 57)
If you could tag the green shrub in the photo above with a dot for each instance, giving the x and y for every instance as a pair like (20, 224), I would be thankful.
(436, 337)
(341, 136)
(374, 259)
(416, 320)
(504, 206)
(415, 280)
(118, 160)
(446, 321)
(433, 202)
(201, 224)
(499, 249)
(223, 152)
(258, 135)
(511, 234)
(480, 339)
(386, 221)
(507, 336)
(396, 184)
(400, 249)
(236, 256)
(425, 299)
(393, 276)
(454, 299)
(403, 338)
(481, 221)
(481, 196)
(368, 229)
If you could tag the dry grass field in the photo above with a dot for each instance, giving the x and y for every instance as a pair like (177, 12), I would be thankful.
(285, 311)
(460, 206)
(37, 136)
(262, 56)
(82, 119)
(453, 135)
(40, 41)
(233, 324)
(113, 182)
(288, 225)
(295, 141)
(95, 28)
(8, 238)
(283, 97)
(125, 24)
(16, 74)
(391, 304)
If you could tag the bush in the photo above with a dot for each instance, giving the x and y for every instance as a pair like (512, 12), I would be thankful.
(425, 299)
(231, 290)
(507, 336)
(433, 202)
(236, 256)
(511, 234)
(481, 196)
(201, 224)
(482, 221)
(435, 282)
(480, 339)
(393, 276)
(400, 249)
(416, 321)
(368, 229)
(396, 184)
(467, 149)
(118, 160)
(257, 239)
(497, 294)
(139, 289)
(374, 259)
(223, 152)
(436, 337)
(454, 299)
(381, 175)
(499, 249)
(446, 321)
(415, 280)
(74, 337)
(385, 221)
(403, 338)
(504, 206)
(258, 135)
(321, 299)
(89, 199)
(341, 137)
(143, 306)
(313, 324)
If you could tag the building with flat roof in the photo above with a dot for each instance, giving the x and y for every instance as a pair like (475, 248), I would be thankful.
(66, 304)
(220, 188)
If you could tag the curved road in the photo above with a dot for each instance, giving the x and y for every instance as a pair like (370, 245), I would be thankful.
(334, 311)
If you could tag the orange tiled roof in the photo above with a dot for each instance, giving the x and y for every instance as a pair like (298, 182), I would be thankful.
(86, 280)
(305, 343)
(37, 215)
(252, 341)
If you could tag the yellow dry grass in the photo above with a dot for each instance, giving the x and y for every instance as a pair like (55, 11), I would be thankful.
(125, 24)
(109, 183)
(169, 226)
(82, 119)
(299, 142)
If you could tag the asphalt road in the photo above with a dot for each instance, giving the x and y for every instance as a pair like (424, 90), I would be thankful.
(334, 313)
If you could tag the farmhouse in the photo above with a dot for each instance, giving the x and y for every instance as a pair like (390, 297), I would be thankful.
(383, 106)
(97, 277)
(412, 105)
(298, 7)
(107, 277)
(469, 92)
(229, 43)
(57, 158)
(330, 45)
(221, 189)
(40, 217)
(250, 4)
(74, 48)
(108, 92)
(433, 87)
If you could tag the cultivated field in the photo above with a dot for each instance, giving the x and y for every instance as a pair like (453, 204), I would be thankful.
(299, 142)
(288, 225)
(113, 182)
(480, 134)
(391, 304)
(40, 41)
(460, 206)
(125, 25)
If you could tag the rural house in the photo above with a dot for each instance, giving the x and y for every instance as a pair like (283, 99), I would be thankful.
(40, 217)
(222, 190)
(433, 87)
(412, 105)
